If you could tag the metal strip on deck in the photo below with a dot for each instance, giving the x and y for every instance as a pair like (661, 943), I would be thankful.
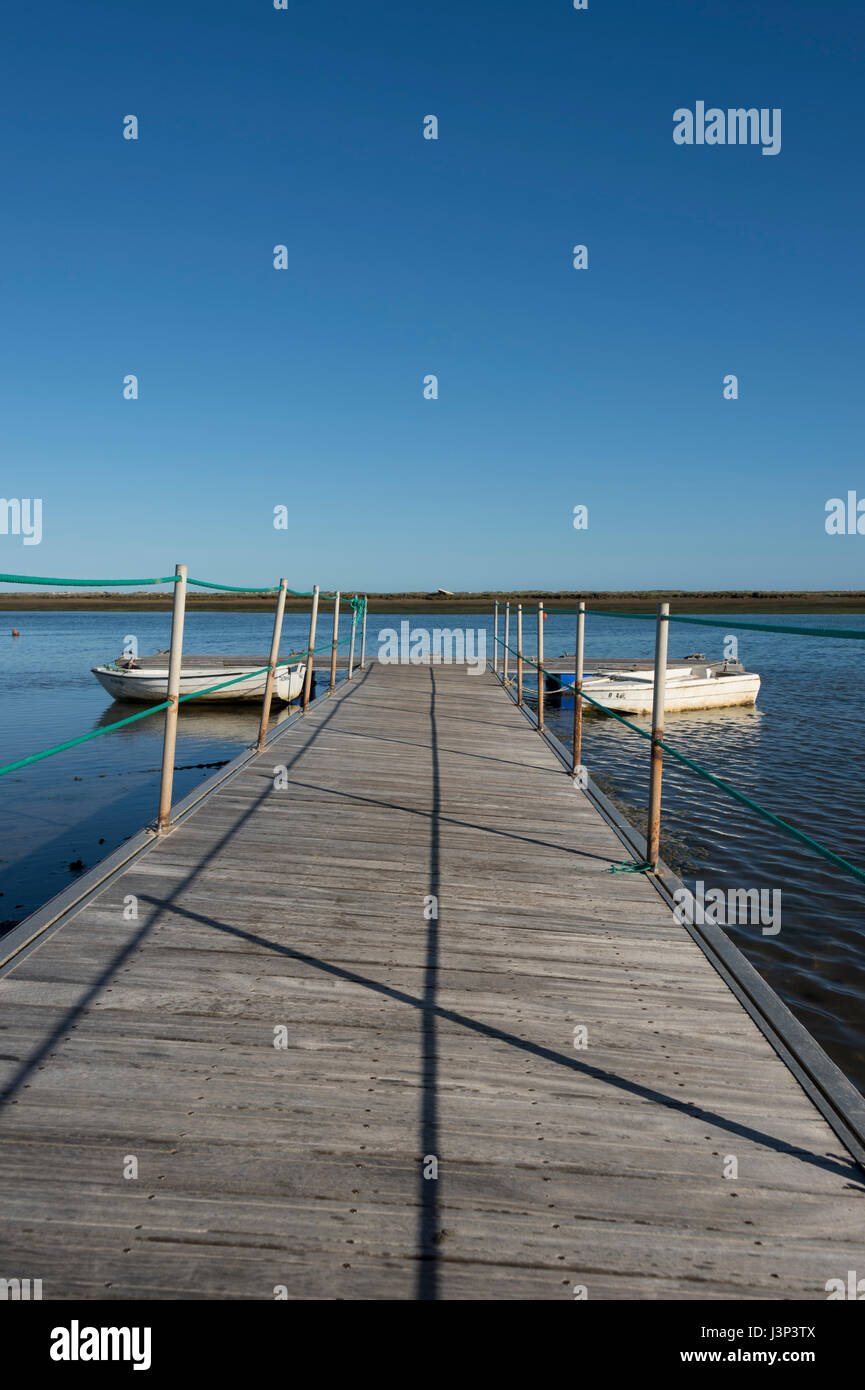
(429, 1128)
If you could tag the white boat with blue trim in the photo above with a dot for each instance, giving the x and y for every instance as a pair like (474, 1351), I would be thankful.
(694, 683)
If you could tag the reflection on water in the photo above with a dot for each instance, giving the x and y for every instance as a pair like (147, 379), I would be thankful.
(800, 753)
(223, 723)
(738, 723)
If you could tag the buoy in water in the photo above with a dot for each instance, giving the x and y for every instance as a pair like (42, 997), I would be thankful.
(15, 632)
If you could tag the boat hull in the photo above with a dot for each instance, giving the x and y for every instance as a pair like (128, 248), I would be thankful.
(715, 692)
(151, 686)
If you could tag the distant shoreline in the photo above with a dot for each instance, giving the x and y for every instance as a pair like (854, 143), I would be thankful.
(682, 601)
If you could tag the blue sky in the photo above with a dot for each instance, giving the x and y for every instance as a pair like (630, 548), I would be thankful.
(407, 257)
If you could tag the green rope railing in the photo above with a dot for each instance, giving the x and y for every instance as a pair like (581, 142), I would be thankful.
(138, 583)
(154, 709)
(850, 633)
(73, 742)
(704, 772)
(239, 589)
(234, 588)
(83, 583)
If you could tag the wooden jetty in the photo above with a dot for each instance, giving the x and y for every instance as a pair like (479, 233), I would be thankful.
(289, 1076)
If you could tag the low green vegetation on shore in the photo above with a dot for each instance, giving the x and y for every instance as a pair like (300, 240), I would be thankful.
(683, 600)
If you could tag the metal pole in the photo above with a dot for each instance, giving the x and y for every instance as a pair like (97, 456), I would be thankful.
(351, 648)
(274, 657)
(313, 619)
(335, 641)
(496, 637)
(578, 685)
(540, 665)
(175, 659)
(520, 655)
(653, 835)
(363, 634)
(507, 639)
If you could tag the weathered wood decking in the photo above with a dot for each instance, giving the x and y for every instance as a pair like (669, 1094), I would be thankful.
(303, 1167)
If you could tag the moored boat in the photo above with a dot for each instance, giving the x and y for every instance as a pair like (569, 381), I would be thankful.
(703, 685)
(145, 679)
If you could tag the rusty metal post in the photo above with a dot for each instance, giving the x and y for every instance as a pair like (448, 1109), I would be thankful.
(335, 641)
(520, 655)
(496, 637)
(506, 641)
(653, 834)
(175, 661)
(313, 619)
(540, 665)
(271, 669)
(363, 634)
(578, 685)
(351, 647)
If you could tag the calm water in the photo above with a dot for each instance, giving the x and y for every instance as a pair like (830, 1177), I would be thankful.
(799, 753)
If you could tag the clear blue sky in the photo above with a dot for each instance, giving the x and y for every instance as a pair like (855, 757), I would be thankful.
(409, 257)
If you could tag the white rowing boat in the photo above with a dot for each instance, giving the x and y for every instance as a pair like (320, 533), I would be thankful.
(697, 687)
(146, 678)
(707, 685)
